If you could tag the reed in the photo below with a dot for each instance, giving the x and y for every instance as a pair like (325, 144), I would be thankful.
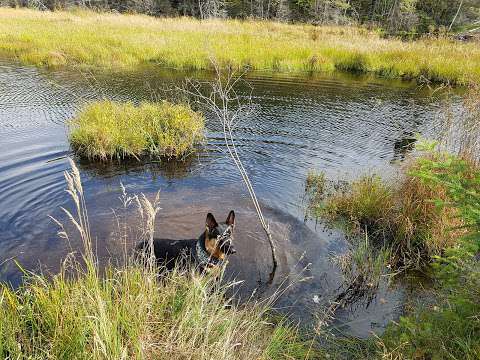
(112, 41)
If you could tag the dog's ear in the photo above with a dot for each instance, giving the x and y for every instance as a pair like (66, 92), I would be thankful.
(231, 218)
(211, 222)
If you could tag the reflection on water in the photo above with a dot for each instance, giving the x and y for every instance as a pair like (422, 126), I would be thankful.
(341, 125)
(156, 168)
(403, 146)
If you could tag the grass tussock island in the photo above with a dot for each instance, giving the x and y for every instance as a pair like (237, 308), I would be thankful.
(106, 129)
(403, 216)
(106, 40)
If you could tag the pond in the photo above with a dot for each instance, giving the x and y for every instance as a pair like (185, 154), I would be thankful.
(342, 125)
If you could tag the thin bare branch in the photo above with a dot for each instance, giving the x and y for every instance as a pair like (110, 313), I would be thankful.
(221, 99)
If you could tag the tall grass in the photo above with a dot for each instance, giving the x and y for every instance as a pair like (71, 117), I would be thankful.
(89, 39)
(106, 129)
(402, 217)
(130, 312)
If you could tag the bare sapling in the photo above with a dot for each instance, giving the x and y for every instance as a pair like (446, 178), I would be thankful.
(220, 98)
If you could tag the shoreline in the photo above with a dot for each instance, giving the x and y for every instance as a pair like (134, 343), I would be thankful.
(107, 41)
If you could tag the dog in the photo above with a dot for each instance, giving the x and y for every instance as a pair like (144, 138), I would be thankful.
(206, 253)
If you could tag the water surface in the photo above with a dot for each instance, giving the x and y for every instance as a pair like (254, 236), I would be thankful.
(343, 125)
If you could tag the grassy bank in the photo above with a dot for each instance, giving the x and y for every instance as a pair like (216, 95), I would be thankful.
(106, 129)
(438, 202)
(401, 216)
(130, 312)
(88, 39)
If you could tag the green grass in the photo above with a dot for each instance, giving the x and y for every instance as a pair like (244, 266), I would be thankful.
(131, 312)
(106, 130)
(112, 41)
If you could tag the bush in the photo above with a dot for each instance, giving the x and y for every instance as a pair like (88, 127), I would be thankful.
(444, 191)
(449, 328)
(106, 129)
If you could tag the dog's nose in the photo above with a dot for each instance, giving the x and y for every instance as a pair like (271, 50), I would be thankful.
(233, 251)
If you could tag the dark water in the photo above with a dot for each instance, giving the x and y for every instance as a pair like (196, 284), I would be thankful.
(344, 126)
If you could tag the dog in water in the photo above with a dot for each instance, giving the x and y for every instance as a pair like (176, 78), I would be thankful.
(206, 253)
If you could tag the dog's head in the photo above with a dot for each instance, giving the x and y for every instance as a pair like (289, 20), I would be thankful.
(219, 237)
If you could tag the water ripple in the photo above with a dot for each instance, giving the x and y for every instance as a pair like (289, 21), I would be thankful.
(340, 125)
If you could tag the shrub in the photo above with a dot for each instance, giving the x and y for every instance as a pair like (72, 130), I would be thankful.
(107, 129)
(449, 327)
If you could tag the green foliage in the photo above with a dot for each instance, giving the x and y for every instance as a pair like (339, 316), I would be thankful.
(449, 328)
(462, 182)
(106, 129)
(402, 217)
(285, 343)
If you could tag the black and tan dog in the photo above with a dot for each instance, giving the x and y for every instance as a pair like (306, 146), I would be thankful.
(205, 253)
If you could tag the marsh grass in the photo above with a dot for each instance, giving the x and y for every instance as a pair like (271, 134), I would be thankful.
(363, 267)
(401, 217)
(106, 40)
(130, 312)
(106, 129)
(446, 324)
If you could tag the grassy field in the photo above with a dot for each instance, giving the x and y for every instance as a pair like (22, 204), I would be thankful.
(104, 40)
(105, 130)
